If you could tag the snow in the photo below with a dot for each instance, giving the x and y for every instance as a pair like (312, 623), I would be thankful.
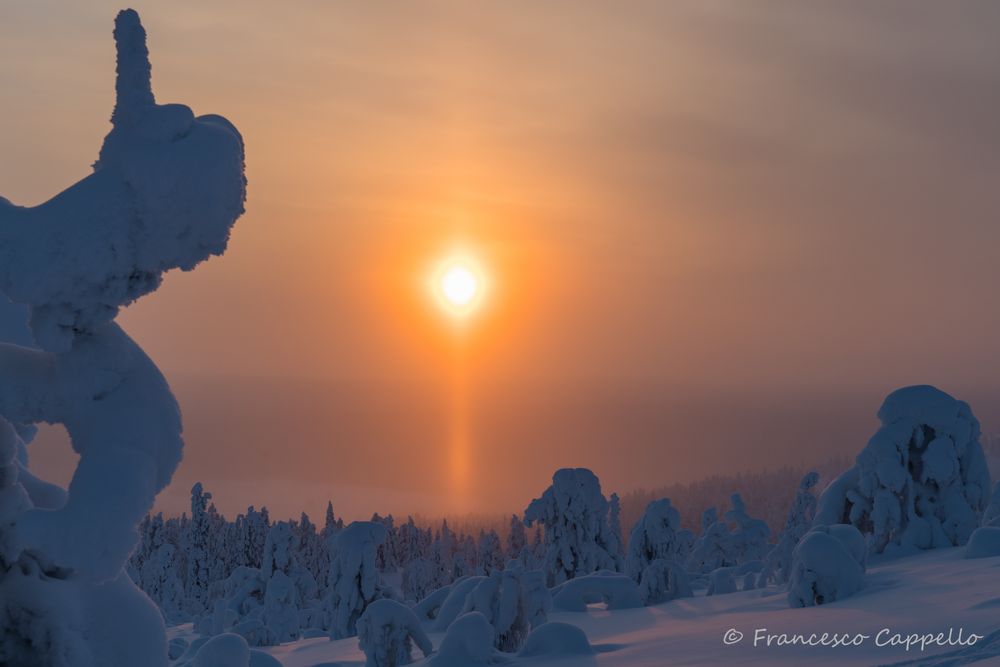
(663, 580)
(921, 482)
(514, 602)
(898, 595)
(653, 538)
(556, 640)
(823, 569)
(468, 642)
(225, 650)
(164, 194)
(575, 515)
(354, 580)
(991, 517)
(616, 591)
(984, 543)
(778, 563)
(386, 632)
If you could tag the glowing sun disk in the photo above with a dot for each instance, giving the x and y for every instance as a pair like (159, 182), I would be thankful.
(459, 285)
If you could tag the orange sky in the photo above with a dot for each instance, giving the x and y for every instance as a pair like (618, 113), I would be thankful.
(716, 233)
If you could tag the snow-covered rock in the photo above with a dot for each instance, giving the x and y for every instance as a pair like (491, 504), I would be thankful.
(984, 543)
(824, 569)
(921, 482)
(387, 631)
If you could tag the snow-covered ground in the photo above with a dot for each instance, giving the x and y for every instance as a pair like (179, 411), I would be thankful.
(930, 592)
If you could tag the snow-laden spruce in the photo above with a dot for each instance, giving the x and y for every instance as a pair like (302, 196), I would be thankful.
(778, 564)
(921, 482)
(271, 604)
(664, 580)
(654, 537)
(165, 191)
(748, 540)
(827, 565)
(574, 513)
(386, 633)
(514, 601)
(719, 547)
(354, 579)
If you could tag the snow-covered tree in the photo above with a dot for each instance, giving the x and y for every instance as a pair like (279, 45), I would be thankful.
(490, 556)
(748, 540)
(922, 480)
(654, 538)
(386, 559)
(354, 578)
(662, 580)
(517, 539)
(164, 193)
(418, 579)
(197, 552)
(574, 514)
(408, 542)
(160, 580)
(287, 585)
(387, 631)
(778, 564)
(616, 544)
(514, 601)
(710, 550)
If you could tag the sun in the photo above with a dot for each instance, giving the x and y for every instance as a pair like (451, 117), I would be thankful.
(458, 285)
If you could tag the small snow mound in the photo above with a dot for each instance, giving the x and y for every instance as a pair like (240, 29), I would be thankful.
(261, 659)
(556, 639)
(823, 570)
(225, 650)
(617, 591)
(469, 641)
(176, 647)
(983, 543)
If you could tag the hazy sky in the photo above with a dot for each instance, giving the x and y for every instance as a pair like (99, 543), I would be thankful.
(716, 233)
